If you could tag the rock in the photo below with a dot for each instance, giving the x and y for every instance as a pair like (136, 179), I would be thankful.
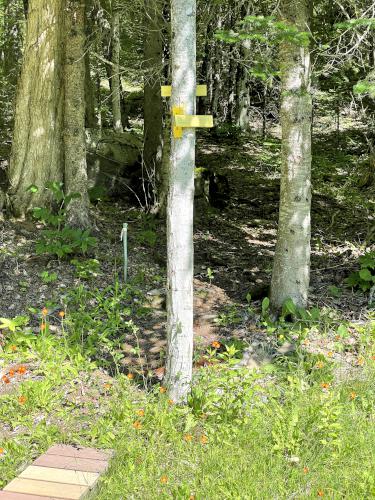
(256, 356)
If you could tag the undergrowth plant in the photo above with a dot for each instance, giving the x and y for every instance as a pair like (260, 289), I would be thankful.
(58, 238)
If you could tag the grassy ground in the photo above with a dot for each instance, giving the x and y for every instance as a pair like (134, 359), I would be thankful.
(302, 426)
(290, 430)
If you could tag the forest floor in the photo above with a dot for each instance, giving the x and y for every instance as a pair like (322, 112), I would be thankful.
(307, 414)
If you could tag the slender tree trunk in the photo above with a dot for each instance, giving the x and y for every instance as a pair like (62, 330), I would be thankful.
(74, 114)
(153, 104)
(90, 87)
(36, 156)
(180, 206)
(291, 270)
(115, 68)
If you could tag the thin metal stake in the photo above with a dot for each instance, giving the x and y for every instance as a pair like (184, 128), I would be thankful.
(124, 238)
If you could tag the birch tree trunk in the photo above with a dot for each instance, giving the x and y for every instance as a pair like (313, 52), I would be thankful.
(115, 67)
(291, 269)
(74, 114)
(36, 156)
(180, 206)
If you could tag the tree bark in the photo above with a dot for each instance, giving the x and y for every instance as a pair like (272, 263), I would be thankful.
(180, 206)
(291, 270)
(36, 156)
(115, 68)
(74, 114)
(153, 104)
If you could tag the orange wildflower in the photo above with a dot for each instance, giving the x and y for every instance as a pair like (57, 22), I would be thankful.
(320, 493)
(192, 497)
(373, 358)
(13, 348)
(170, 402)
(21, 370)
(61, 314)
(2, 451)
(330, 354)
(360, 361)
(44, 311)
(5, 379)
(11, 372)
(215, 344)
(141, 412)
(164, 479)
(305, 470)
(319, 364)
(324, 386)
(107, 387)
(22, 400)
(204, 439)
(130, 376)
(188, 438)
(353, 395)
(43, 327)
(162, 390)
(137, 425)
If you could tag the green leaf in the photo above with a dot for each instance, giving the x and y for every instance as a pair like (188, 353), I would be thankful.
(365, 274)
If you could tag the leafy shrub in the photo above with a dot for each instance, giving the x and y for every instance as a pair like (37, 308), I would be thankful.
(61, 240)
(365, 277)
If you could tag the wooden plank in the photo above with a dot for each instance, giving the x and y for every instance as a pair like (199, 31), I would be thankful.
(9, 495)
(60, 475)
(193, 121)
(45, 488)
(79, 452)
(71, 463)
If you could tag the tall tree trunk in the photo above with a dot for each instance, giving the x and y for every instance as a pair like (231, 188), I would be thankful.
(180, 206)
(36, 156)
(90, 87)
(291, 270)
(115, 67)
(153, 104)
(74, 114)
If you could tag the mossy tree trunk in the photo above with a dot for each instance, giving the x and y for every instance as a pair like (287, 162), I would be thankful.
(37, 154)
(74, 114)
(291, 270)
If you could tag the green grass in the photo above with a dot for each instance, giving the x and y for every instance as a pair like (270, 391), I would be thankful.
(274, 434)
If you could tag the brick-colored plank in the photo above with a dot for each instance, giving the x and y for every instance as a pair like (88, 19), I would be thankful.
(78, 452)
(71, 463)
(8, 495)
(45, 488)
(60, 475)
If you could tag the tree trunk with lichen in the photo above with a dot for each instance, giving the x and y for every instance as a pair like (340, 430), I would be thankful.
(74, 114)
(180, 206)
(37, 155)
(291, 269)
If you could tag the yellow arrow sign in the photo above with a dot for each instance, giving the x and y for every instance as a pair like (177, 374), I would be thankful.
(166, 91)
(194, 121)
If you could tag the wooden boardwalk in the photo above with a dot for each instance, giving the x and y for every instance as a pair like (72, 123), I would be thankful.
(63, 472)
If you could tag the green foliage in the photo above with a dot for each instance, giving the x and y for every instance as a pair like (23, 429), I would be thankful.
(100, 320)
(365, 277)
(48, 277)
(61, 240)
(230, 316)
(267, 30)
(86, 269)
